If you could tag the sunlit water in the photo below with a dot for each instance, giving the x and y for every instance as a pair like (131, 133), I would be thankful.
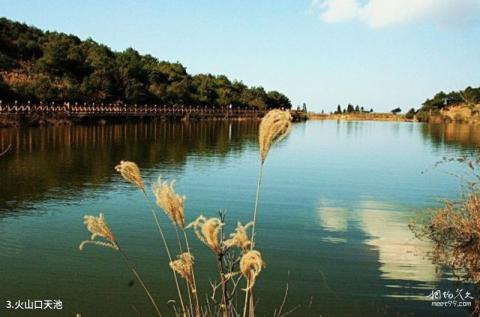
(335, 206)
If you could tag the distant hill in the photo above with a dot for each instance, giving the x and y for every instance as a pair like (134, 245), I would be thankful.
(50, 66)
(458, 106)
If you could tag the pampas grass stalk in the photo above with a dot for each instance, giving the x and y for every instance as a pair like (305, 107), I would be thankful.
(131, 173)
(165, 244)
(142, 283)
(99, 228)
(274, 127)
(174, 207)
(255, 210)
(247, 263)
(195, 290)
(251, 264)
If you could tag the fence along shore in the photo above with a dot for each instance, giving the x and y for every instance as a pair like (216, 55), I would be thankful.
(18, 112)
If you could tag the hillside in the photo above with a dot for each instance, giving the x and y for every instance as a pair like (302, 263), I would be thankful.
(48, 66)
(456, 106)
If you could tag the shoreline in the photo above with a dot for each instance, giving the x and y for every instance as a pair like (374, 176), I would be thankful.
(361, 117)
(17, 120)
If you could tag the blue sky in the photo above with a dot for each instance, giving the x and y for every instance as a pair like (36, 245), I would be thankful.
(375, 53)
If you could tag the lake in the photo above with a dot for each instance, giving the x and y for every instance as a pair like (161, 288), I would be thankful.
(336, 201)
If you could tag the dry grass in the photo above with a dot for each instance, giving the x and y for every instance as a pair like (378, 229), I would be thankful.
(131, 172)
(454, 229)
(208, 231)
(240, 237)
(98, 227)
(238, 263)
(455, 232)
(251, 264)
(184, 267)
(274, 127)
(171, 203)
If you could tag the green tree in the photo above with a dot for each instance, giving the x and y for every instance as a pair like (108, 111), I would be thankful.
(410, 114)
(396, 110)
(52, 66)
(276, 99)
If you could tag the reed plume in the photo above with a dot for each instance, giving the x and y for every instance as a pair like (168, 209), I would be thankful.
(240, 237)
(99, 228)
(273, 128)
(131, 172)
(174, 207)
(172, 204)
(246, 264)
(207, 231)
(184, 266)
(251, 264)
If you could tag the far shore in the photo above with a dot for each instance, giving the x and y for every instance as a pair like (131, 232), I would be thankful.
(361, 117)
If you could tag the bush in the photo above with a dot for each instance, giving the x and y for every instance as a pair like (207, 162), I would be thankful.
(410, 114)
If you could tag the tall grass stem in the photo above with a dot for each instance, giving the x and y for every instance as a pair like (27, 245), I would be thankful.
(134, 271)
(160, 230)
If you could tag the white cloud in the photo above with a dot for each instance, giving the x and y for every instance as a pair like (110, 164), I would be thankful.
(338, 11)
(380, 13)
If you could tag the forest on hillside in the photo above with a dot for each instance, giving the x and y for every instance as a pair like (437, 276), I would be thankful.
(432, 106)
(38, 65)
(441, 100)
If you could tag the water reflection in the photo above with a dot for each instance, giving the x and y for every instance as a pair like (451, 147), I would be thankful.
(403, 261)
(60, 161)
(461, 136)
(334, 220)
(401, 256)
(349, 254)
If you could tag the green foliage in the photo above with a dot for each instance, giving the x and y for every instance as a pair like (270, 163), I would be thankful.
(6, 62)
(410, 114)
(441, 100)
(349, 109)
(471, 95)
(396, 110)
(304, 108)
(5, 91)
(51, 66)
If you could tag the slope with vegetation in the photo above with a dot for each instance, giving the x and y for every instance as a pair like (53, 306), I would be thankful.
(455, 106)
(48, 66)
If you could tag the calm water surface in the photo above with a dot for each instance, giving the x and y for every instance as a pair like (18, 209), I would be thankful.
(333, 222)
